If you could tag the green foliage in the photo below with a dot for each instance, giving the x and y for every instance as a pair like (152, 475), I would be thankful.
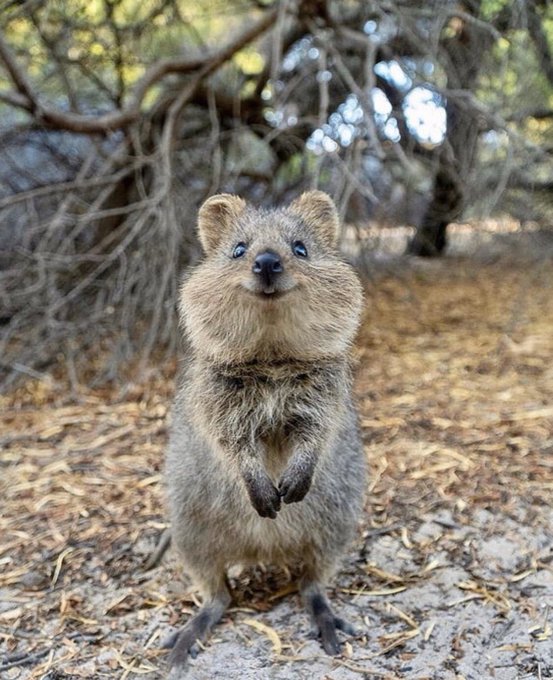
(491, 8)
(514, 83)
(97, 49)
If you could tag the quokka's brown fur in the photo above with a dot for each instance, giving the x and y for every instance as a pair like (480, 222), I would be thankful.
(264, 412)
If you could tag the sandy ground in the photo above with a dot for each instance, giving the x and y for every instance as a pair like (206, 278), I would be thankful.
(452, 574)
(465, 614)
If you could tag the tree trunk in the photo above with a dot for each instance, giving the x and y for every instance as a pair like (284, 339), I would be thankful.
(430, 239)
(463, 58)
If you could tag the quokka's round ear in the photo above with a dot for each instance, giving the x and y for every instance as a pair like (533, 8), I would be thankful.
(319, 212)
(216, 216)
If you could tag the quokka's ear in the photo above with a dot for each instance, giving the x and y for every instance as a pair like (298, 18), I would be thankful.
(319, 212)
(216, 216)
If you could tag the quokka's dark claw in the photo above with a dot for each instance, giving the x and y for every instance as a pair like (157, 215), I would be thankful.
(264, 497)
(294, 485)
(345, 626)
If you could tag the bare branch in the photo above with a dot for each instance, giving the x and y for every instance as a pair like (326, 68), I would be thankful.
(16, 73)
(17, 100)
(540, 113)
(122, 118)
(539, 37)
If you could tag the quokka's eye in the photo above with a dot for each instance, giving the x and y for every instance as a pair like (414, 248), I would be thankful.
(239, 250)
(299, 249)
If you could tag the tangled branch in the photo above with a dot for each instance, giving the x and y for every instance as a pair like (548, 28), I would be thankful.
(26, 98)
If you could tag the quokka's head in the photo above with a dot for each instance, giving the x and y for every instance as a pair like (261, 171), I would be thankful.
(272, 283)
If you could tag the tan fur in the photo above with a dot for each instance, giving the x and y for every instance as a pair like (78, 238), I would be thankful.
(319, 212)
(264, 410)
(217, 215)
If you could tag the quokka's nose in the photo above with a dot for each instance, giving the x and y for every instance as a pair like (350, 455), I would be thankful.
(268, 266)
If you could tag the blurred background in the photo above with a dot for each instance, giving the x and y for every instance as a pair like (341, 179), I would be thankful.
(428, 122)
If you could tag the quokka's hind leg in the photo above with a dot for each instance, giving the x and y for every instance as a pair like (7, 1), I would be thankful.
(322, 616)
(183, 643)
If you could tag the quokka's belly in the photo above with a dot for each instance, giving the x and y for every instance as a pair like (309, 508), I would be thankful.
(287, 540)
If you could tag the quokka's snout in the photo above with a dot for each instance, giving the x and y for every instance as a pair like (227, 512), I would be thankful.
(268, 266)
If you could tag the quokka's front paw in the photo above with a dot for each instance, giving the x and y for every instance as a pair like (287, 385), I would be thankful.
(296, 481)
(263, 495)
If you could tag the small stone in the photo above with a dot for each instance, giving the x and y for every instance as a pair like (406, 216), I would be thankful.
(34, 580)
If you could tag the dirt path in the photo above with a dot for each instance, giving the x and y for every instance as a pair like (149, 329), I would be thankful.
(452, 576)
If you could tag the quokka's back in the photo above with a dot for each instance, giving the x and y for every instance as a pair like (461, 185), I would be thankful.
(264, 462)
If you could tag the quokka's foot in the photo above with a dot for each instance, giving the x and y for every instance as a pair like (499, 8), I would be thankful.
(184, 643)
(324, 620)
(327, 628)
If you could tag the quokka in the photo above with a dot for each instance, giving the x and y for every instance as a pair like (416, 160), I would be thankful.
(264, 462)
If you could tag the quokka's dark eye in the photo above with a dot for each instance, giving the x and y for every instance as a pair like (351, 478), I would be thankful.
(299, 249)
(239, 250)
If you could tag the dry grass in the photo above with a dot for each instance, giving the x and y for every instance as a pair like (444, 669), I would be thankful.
(455, 386)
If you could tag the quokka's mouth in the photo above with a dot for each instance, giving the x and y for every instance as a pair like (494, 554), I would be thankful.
(268, 293)
(271, 294)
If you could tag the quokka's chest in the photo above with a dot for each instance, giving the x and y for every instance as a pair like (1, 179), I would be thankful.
(274, 413)
(267, 401)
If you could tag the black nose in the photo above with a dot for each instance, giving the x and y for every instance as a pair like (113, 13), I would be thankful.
(268, 266)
